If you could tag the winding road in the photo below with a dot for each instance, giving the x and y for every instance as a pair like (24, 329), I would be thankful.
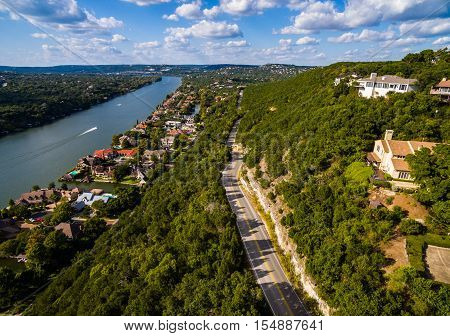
(279, 293)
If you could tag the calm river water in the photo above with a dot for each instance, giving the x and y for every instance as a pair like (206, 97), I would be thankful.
(42, 154)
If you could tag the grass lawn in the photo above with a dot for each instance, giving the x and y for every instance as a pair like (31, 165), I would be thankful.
(358, 172)
(416, 246)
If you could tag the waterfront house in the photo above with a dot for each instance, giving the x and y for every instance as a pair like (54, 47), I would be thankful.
(389, 155)
(442, 89)
(87, 198)
(102, 171)
(380, 86)
(105, 154)
(38, 197)
(126, 141)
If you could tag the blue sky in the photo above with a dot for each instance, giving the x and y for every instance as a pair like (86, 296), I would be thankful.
(302, 32)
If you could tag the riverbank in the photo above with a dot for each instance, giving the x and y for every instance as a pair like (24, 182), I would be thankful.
(40, 155)
(34, 100)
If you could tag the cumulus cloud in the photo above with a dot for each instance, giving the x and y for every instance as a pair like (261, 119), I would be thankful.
(365, 35)
(190, 10)
(317, 15)
(146, 45)
(442, 40)
(405, 41)
(39, 35)
(171, 17)
(146, 2)
(307, 40)
(247, 7)
(60, 15)
(440, 26)
(118, 38)
(207, 29)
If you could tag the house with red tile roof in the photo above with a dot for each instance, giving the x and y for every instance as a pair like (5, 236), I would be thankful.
(442, 89)
(389, 155)
(105, 154)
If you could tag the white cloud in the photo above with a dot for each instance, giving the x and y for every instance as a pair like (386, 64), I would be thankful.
(146, 2)
(284, 43)
(63, 15)
(365, 35)
(237, 44)
(426, 28)
(207, 29)
(171, 17)
(212, 12)
(406, 41)
(247, 7)
(39, 35)
(317, 15)
(190, 10)
(442, 40)
(118, 38)
(146, 45)
(307, 40)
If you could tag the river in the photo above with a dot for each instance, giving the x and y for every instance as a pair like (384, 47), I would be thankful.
(42, 154)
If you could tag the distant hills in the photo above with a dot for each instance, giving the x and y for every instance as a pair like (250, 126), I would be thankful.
(132, 69)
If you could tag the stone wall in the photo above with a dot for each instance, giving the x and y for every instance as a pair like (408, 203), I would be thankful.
(285, 242)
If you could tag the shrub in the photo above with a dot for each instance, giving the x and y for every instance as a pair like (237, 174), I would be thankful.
(411, 227)
(271, 196)
(264, 183)
(389, 200)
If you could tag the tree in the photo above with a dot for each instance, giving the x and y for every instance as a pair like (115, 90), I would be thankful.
(64, 186)
(93, 228)
(35, 187)
(115, 140)
(120, 172)
(62, 213)
(51, 185)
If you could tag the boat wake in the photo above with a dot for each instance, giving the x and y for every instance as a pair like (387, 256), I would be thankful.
(88, 131)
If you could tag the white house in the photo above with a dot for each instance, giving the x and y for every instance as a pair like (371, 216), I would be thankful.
(376, 86)
(389, 155)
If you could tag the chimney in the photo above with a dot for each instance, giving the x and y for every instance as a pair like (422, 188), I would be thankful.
(388, 135)
(373, 75)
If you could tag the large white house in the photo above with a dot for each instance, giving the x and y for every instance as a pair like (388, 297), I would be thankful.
(389, 155)
(376, 86)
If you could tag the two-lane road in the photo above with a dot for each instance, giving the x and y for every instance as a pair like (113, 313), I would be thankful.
(280, 295)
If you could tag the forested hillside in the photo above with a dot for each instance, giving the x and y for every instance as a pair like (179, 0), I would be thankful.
(30, 100)
(177, 253)
(314, 130)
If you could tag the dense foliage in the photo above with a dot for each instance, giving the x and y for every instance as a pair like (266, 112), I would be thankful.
(177, 253)
(32, 100)
(316, 131)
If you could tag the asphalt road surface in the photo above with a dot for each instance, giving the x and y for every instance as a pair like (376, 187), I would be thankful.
(280, 295)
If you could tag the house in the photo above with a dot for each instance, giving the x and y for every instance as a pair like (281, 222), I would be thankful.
(127, 153)
(389, 155)
(70, 230)
(173, 124)
(442, 89)
(376, 86)
(105, 154)
(37, 197)
(87, 198)
(350, 78)
(102, 171)
(167, 142)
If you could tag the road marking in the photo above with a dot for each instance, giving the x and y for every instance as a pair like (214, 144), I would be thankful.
(267, 268)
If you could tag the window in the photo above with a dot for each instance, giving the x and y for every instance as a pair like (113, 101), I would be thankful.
(369, 84)
(379, 85)
(402, 87)
(403, 175)
(385, 86)
(378, 148)
(392, 86)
